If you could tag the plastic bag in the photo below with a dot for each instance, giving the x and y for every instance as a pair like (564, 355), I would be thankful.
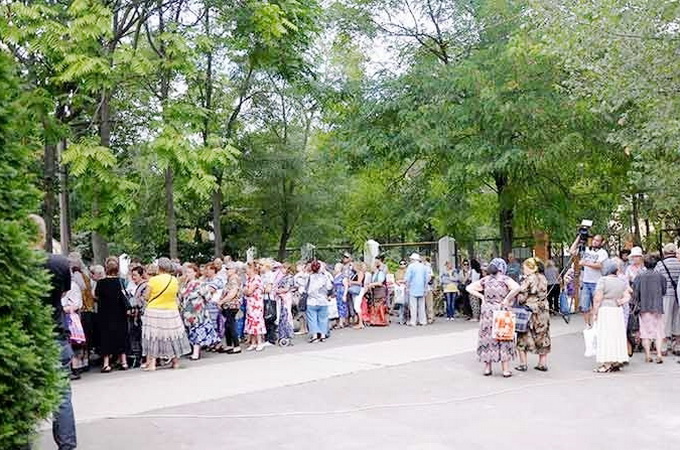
(590, 340)
(503, 326)
(565, 303)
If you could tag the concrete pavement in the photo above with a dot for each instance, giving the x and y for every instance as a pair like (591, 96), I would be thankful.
(422, 388)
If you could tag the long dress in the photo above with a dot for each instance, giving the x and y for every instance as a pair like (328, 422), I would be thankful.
(285, 329)
(535, 296)
(200, 328)
(255, 307)
(490, 350)
(112, 316)
(339, 289)
(611, 331)
(378, 316)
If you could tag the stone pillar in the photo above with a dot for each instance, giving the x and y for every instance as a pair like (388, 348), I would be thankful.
(446, 251)
(541, 245)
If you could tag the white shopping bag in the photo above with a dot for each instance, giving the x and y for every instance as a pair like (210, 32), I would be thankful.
(590, 340)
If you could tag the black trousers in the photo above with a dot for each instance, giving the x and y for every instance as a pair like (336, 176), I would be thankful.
(230, 331)
(554, 297)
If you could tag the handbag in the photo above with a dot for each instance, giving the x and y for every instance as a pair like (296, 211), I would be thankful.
(522, 316)
(354, 289)
(75, 328)
(270, 310)
(302, 303)
(503, 328)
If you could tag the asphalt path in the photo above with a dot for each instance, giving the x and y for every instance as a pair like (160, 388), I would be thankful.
(396, 387)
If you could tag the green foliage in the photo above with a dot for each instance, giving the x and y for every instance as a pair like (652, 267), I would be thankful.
(29, 374)
(622, 60)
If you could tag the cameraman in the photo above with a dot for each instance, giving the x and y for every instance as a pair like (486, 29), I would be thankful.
(591, 262)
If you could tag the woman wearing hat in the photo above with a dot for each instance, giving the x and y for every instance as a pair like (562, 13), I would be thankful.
(491, 290)
(534, 290)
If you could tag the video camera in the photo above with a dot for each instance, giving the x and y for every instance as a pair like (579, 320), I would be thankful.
(584, 233)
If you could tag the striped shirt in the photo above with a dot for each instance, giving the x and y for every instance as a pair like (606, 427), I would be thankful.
(673, 265)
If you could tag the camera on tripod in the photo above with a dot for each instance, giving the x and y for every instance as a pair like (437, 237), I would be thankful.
(584, 233)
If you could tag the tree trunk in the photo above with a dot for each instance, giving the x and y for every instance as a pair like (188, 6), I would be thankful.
(49, 203)
(636, 220)
(285, 235)
(170, 210)
(217, 222)
(100, 249)
(505, 214)
(64, 204)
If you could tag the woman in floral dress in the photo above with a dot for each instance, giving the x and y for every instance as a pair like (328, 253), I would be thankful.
(195, 314)
(285, 286)
(254, 292)
(491, 290)
(534, 294)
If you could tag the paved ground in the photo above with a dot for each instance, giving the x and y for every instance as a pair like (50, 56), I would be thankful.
(399, 388)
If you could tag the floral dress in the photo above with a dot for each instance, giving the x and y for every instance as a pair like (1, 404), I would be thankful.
(534, 294)
(195, 314)
(339, 289)
(490, 350)
(255, 307)
(287, 284)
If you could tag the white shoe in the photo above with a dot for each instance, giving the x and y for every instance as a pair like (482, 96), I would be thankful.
(259, 348)
(267, 344)
(251, 348)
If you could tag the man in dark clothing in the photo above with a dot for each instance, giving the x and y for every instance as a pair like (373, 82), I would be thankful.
(63, 422)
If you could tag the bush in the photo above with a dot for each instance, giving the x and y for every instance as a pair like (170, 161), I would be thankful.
(30, 378)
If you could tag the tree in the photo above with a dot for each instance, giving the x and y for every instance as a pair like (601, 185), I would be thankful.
(621, 57)
(493, 122)
(30, 379)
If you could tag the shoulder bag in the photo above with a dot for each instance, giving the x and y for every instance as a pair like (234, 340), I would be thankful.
(302, 303)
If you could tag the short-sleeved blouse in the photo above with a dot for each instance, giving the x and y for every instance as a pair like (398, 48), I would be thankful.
(612, 289)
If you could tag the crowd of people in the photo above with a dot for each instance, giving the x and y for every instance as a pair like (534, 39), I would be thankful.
(157, 313)
(145, 315)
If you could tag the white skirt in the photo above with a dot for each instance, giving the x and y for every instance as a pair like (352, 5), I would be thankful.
(611, 335)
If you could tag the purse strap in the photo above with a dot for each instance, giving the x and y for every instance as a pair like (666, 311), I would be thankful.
(161, 292)
(673, 283)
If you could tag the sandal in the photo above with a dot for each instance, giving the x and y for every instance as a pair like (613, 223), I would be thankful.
(106, 369)
(648, 359)
(659, 360)
(603, 369)
(522, 368)
(487, 373)
(123, 367)
(541, 368)
(507, 374)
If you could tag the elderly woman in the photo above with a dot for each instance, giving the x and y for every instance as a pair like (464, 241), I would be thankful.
(649, 289)
(284, 293)
(378, 314)
(214, 284)
(194, 298)
(340, 288)
(491, 290)
(534, 294)
(163, 334)
(254, 292)
(317, 302)
(230, 303)
(137, 303)
(611, 293)
(112, 316)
